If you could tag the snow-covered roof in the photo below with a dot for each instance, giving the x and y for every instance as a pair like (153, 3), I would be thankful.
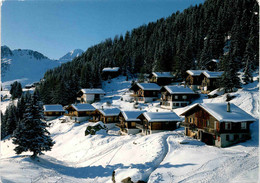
(211, 74)
(110, 69)
(110, 111)
(53, 108)
(132, 115)
(92, 91)
(219, 111)
(149, 86)
(174, 89)
(163, 74)
(83, 107)
(161, 116)
(215, 60)
(195, 72)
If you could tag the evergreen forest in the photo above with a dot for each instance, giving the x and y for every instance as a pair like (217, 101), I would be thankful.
(227, 30)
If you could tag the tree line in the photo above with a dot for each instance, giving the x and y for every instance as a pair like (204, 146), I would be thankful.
(218, 29)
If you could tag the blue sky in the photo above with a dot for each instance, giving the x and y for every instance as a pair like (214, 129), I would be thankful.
(55, 28)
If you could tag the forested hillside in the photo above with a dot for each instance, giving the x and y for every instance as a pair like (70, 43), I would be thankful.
(218, 29)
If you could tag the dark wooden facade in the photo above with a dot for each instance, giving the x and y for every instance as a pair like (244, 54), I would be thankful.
(148, 127)
(161, 81)
(54, 113)
(209, 83)
(194, 80)
(98, 116)
(139, 92)
(73, 112)
(126, 124)
(202, 125)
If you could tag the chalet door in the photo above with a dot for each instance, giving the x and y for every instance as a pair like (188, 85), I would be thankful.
(207, 138)
(97, 96)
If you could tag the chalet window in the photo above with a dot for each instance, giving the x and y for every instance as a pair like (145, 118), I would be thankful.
(227, 137)
(176, 97)
(228, 126)
(177, 104)
(132, 124)
(236, 137)
(243, 125)
(190, 120)
(207, 123)
(231, 138)
(184, 97)
(183, 104)
(154, 93)
(109, 119)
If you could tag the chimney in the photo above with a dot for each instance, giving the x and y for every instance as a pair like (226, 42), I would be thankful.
(156, 110)
(102, 108)
(228, 107)
(140, 108)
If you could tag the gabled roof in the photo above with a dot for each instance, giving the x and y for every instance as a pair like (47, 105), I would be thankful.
(219, 111)
(83, 107)
(110, 111)
(110, 69)
(161, 116)
(163, 74)
(211, 74)
(195, 72)
(53, 108)
(174, 89)
(92, 91)
(149, 86)
(131, 115)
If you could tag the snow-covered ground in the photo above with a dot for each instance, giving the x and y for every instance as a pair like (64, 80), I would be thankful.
(162, 157)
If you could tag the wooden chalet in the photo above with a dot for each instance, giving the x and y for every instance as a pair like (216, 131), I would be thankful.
(107, 116)
(194, 79)
(173, 96)
(161, 78)
(212, 65)
(218, 124)
(90, 95)
(152, 122)
(80, 112)
(110, 72)
(128, 120)
(53, 111)
(210, 81)
(145, 92)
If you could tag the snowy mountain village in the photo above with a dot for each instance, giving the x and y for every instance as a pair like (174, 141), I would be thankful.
(219, 124)
(173, 97)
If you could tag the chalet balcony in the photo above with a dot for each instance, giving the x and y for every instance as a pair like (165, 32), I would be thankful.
(189, 125)
(139, 126)
(211, 131)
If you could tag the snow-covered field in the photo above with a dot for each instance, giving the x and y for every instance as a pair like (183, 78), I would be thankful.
(162, 157)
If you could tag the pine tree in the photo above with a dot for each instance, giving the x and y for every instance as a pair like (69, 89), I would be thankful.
(31, 133)
(16, 90)
(11, 120)
(229, 79)
(20, 108)
(3, 126)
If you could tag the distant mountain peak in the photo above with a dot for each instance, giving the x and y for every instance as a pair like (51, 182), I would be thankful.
(71, 55)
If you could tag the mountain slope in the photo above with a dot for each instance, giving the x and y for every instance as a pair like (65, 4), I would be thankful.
(71, 55)
(26, 66)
